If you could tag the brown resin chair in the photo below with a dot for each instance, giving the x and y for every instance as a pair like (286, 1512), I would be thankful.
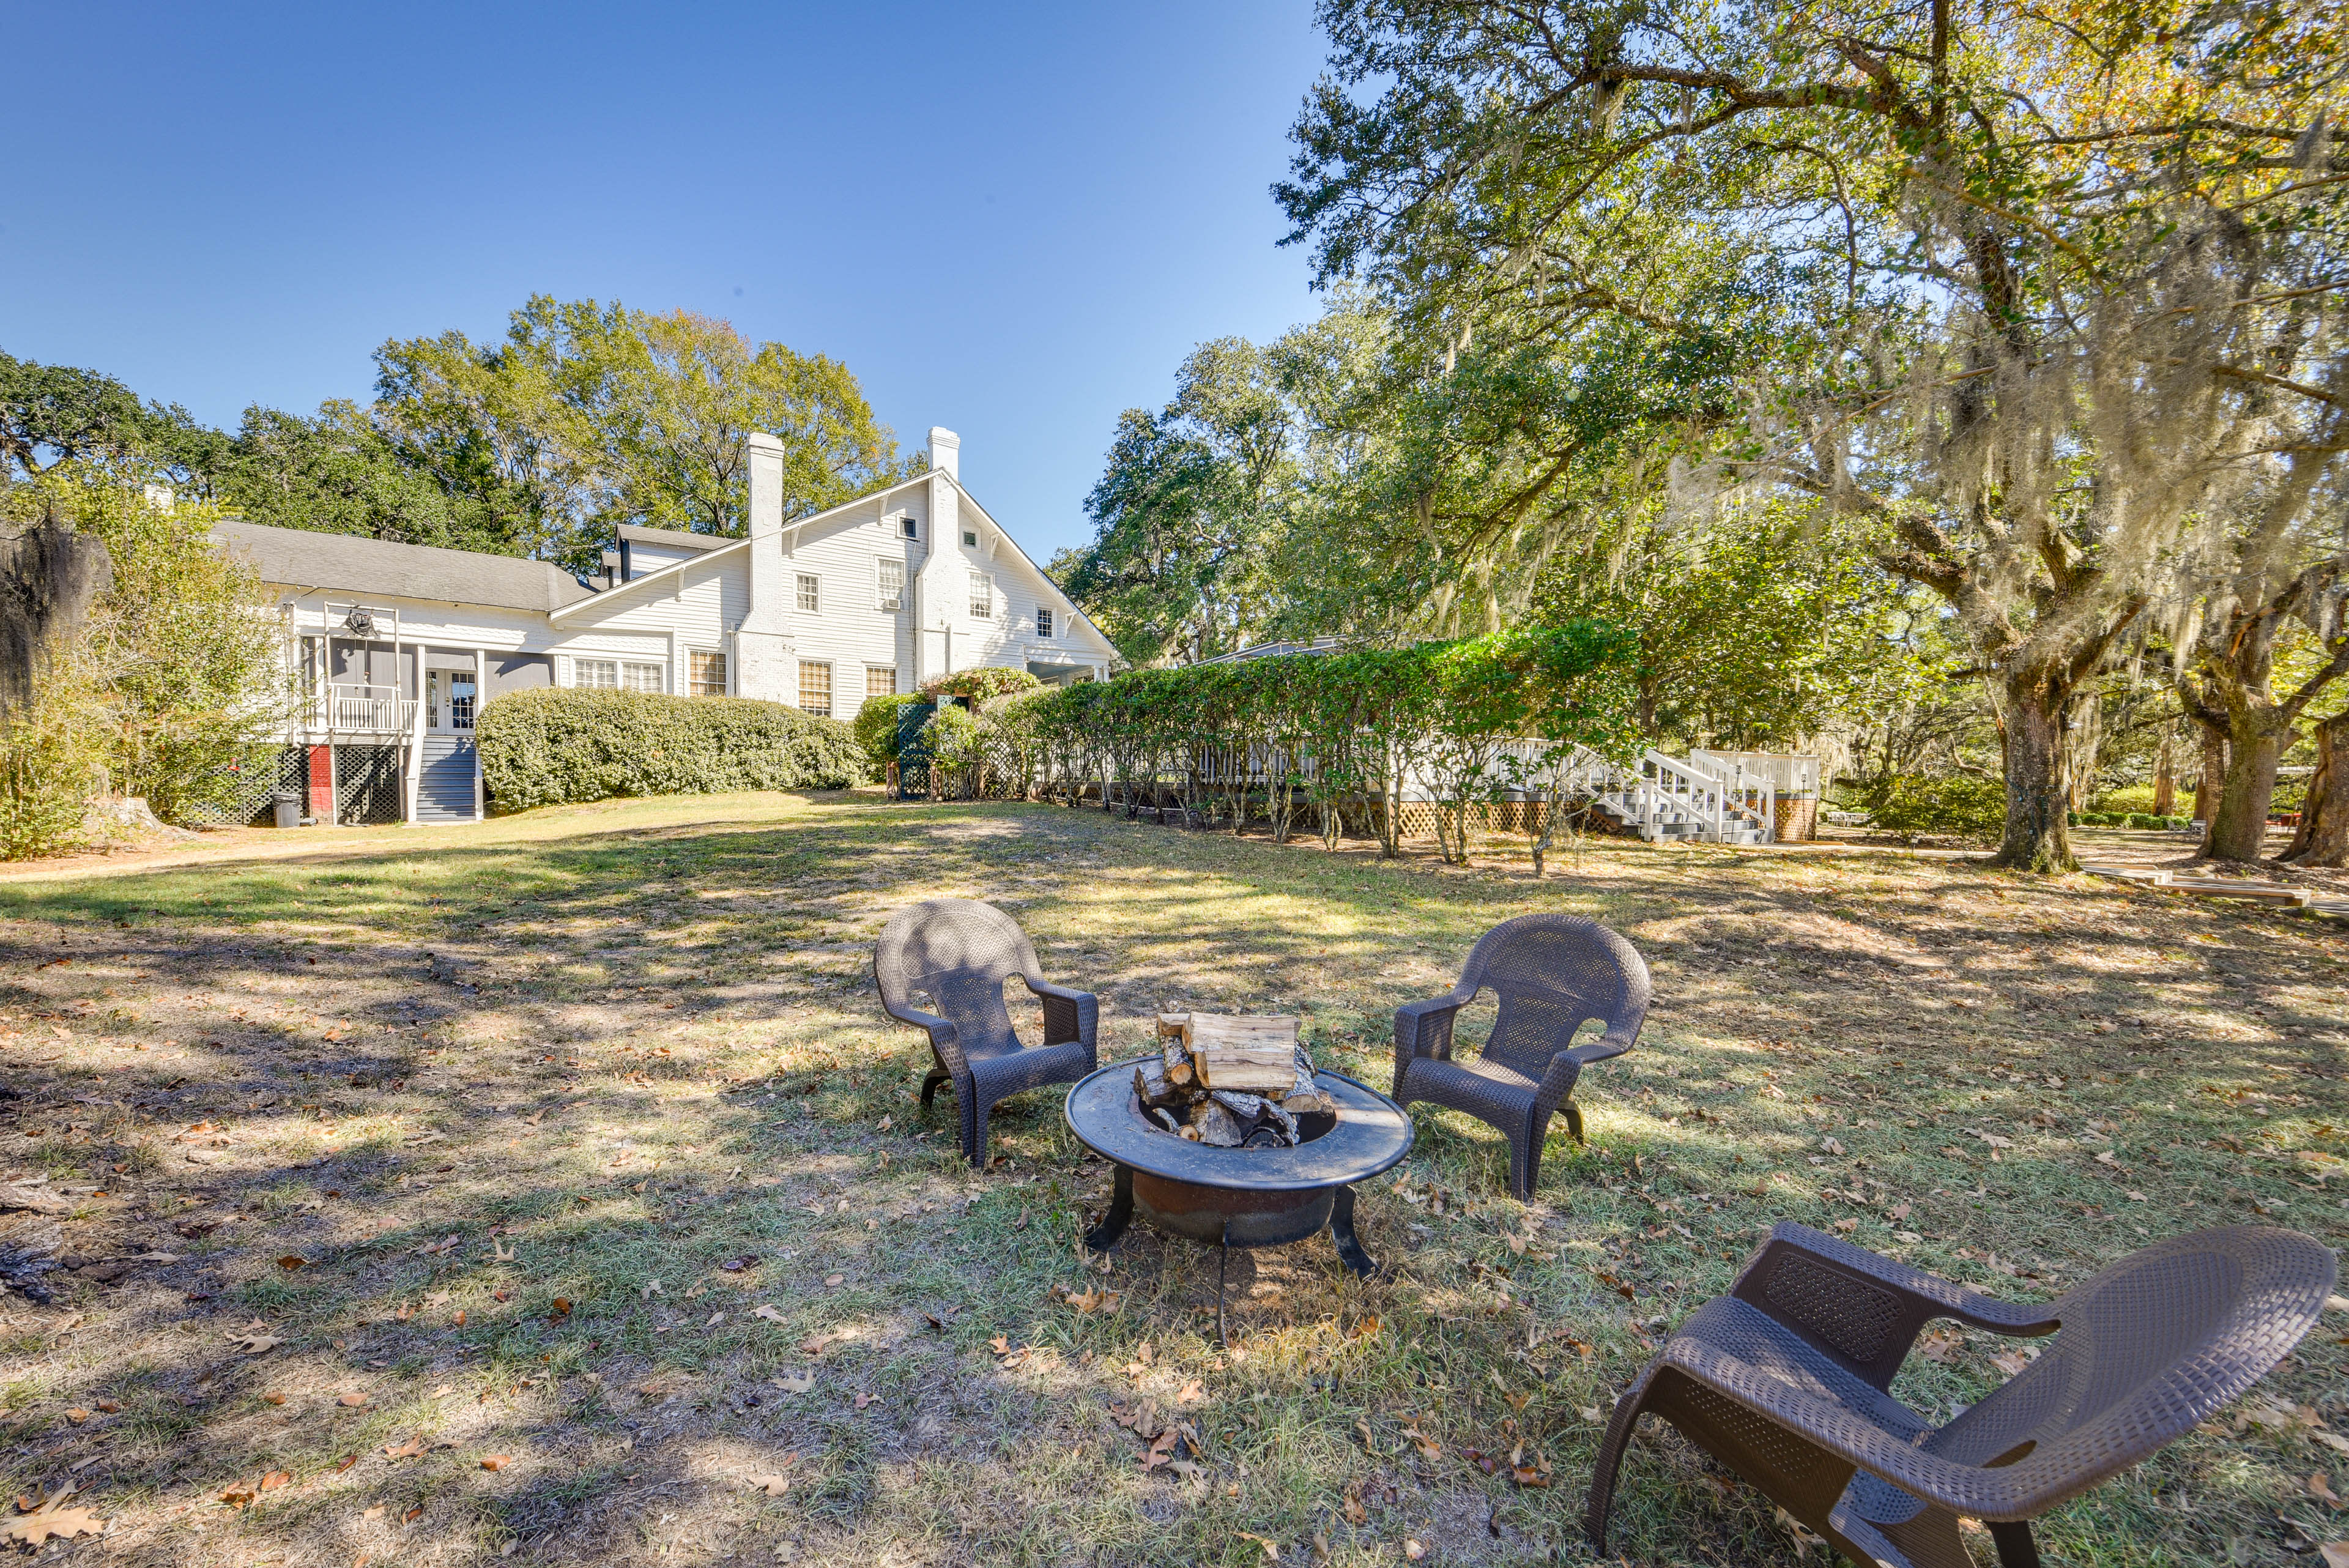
(1552, 974)
(1784, 1380)
(959, 952)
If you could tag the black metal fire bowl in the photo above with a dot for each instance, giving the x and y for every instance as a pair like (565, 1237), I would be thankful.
(1239, 1197)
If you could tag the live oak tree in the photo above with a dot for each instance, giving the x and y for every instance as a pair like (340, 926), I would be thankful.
(2036, 292)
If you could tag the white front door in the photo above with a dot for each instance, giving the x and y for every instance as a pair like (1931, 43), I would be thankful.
(450, 699)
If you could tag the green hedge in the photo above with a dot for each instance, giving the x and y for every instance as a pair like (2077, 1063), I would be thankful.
(551, 747)
(2126, 819)
(1962, 803)
(876, 725)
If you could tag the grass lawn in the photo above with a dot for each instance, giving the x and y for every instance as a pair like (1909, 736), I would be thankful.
(576, 1189)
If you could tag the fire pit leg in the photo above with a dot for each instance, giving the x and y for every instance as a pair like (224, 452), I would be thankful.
(1103, 1236)
(1341, 1231)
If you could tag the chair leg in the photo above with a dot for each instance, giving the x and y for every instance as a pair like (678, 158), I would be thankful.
(2016, 1549)
(1619, 1427)
(939, 1076)
(1525, 1159)
(974, 1132)
(1573, 1120)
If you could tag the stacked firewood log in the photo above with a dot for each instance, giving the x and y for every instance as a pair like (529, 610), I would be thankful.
(1233, 1083)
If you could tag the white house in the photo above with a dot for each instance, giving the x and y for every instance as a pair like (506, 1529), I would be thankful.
(400, 643)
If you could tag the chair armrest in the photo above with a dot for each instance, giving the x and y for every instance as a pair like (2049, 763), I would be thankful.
(1425, 1029)
(2002, 1493)
(1614, 1043)
(1068, 1015)
(946, 1041)
(1931, 1295)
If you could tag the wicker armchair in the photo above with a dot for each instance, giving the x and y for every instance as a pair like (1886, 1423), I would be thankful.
(1553, 973)
(958, 952)
(1785, 1381)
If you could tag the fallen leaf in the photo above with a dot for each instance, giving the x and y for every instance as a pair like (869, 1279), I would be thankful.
(1414, 1550)
(1830, 1145)
(1898, 1211)
(769, 1311)
(274, 1480)
(374, 1513)
(865, 1399)
(2319, 1487)
(1270, 1550)
(292, 1260)
(77, 1416)
(1846, 1225)
(273, 1398)
(54, 1520)
(345, 1462)
(770, 1486)
(814, 1343)
(1192, 1393)
(252, 1341)
(831, 1281)
(496, 1461)
(999, 1345)
(562, 1307)
(1355, 1513)
(108, 1406)
(353, 1400)
(795, 1382)
(2010, 1362)
(2336, 1554)
(412, 1450)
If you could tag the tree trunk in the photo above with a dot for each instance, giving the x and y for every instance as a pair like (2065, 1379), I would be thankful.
(2165, 772)
(2213, 775)
(2323, 836)
(2239, 831)
(2036, 837)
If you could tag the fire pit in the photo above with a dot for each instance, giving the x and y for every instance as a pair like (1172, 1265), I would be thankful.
(1239, 1197)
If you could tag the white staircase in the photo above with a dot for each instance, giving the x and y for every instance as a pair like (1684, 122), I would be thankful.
(1665, 799)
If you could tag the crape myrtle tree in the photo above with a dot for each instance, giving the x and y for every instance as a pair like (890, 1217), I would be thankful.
(2027, 290)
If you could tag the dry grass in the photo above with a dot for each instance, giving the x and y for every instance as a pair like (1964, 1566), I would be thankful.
(611, 1048)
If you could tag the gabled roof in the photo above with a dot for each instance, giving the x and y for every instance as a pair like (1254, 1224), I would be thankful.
(345, 563)
(719, 546)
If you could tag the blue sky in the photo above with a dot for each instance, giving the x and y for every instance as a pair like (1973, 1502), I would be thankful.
(1012, 220)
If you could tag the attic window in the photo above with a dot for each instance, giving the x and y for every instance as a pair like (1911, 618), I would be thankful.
(1043, 622)
(912, 530)
(969, 539)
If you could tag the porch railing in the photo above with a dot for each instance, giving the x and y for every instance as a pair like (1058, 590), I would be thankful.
(363, 711)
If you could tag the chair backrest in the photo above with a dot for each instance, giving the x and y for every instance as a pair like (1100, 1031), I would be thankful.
(2147, 1348)
(1552, 974)
(959, 952)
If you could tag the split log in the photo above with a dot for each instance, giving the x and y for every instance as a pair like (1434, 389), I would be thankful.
(1256, 1054)
(1217, 1127)
(1155, 1086)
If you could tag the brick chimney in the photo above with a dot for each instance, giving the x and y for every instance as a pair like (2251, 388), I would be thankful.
(762, 647)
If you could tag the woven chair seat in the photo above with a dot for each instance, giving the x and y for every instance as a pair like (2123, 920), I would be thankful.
(1552, 974)
(958, 953)
(1786, 1381)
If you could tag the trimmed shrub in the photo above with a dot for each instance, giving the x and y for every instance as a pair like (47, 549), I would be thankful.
(1959, 803)
(875, 728)
(980, 683)
(555, 746)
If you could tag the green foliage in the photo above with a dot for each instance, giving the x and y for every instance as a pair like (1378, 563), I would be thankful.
(981, 685)
(1962, 803)
(553, 746)
(341, 474)
(876, 729)
(54, 415)
(178, 674)
(52, 763)
(1329, 729)
(605, 415)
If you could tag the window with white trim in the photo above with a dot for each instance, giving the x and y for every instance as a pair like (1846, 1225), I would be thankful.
(1043, 620)
(708, 671)
(644, 678)
(909, 527)
(815, 687)
(880, 681)
(603, 674)
(810, 593)
(891, 592)
(982, 597)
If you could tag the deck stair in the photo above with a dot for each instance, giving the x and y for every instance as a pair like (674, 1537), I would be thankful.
(1663, 799)
(444, 785)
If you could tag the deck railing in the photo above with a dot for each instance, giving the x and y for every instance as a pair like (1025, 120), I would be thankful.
(363, 711)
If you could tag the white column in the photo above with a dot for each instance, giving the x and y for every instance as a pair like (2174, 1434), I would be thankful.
(481, 698)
